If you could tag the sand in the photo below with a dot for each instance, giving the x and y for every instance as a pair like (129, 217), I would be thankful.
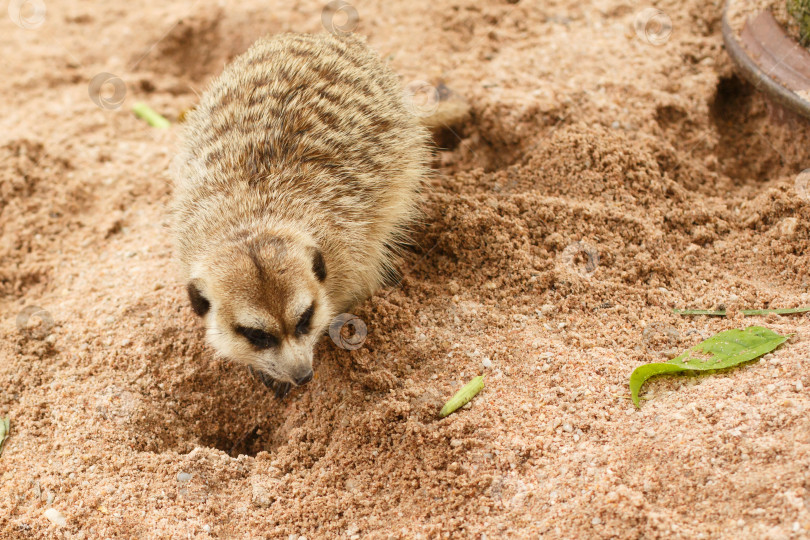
(611, 170)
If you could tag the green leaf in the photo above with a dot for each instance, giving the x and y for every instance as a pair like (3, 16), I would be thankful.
(720, 351)
(709, 312)
(152, 117)
(5, 430)
(463, 396)
(785, 311)
(746, 312)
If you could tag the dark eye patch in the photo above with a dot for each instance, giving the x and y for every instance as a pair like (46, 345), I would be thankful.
(257, 337)
(319, 265)
(199, 303)
(303, 323)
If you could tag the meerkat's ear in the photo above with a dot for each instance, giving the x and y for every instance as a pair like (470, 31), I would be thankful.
(199, 303)
(318, 264)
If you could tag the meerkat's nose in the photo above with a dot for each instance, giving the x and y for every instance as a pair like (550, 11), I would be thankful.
(305, 379)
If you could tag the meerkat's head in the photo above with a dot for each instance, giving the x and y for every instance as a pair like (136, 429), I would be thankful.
(264, 303)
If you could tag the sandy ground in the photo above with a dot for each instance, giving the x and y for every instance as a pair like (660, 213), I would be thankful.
(611, 170)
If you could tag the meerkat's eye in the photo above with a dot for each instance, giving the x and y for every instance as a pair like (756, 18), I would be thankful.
(257, 337)
(199, 303)
(303, 323)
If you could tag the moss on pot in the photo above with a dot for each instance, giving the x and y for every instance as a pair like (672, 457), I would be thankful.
(800, 10)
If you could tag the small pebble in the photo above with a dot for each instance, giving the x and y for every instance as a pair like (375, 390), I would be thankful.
(596, 521)
(207, 528)
(183, 477)
(55, 517)
(799, 386)
(486, 362)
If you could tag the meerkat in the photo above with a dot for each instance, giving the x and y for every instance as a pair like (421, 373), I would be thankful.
(298, 181)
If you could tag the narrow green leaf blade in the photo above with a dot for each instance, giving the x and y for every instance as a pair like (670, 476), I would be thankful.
(152, 117)
(785, 311)
(463, 396)
(746, 312)
(723, 350)
(709, 312)
(5, 430)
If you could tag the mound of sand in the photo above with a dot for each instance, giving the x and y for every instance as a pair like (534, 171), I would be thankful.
(611, 170)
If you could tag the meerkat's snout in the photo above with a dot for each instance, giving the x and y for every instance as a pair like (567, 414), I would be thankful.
(266, 306)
